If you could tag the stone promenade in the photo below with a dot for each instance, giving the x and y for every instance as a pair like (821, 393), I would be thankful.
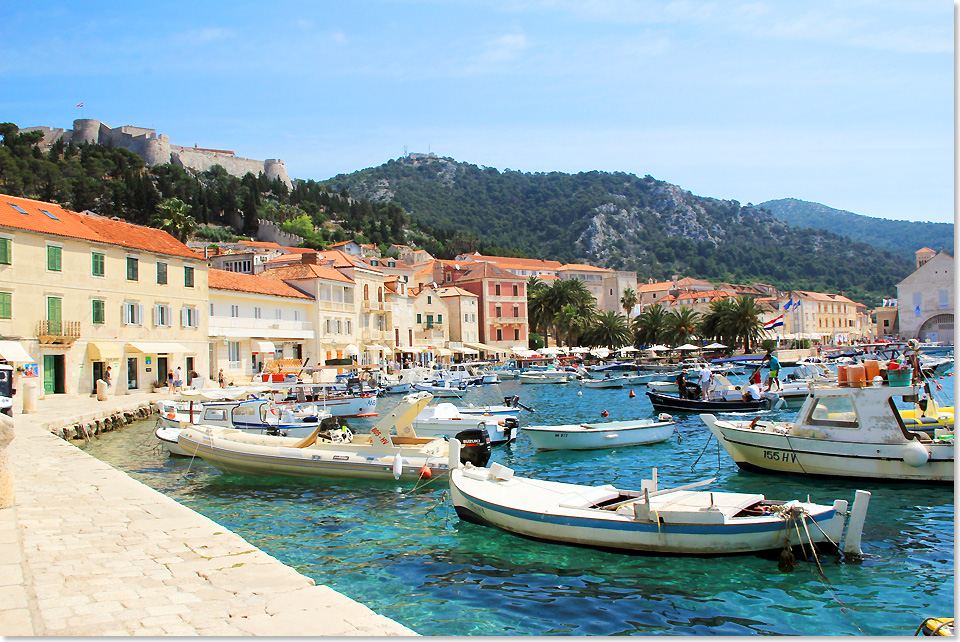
(88, 551)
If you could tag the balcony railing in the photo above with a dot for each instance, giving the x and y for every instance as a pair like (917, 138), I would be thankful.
(58, 332)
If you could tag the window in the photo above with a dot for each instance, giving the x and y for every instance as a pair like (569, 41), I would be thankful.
(97, 313)
(256, 312)
(516, 311)
(499, 334)
(277, 314)
(161, 315)
(235, 311)
(187, 276)
(6, 252)
(429, 300)
(161, 273)
(496, 289)
(944, 299)
(449, 277)
(499, 312)
(233, 353)
(439, 318)
(54, 258)
(296, 315)
(419, 319)
(132, 313)
(133, 268)
(189, 317)
(6, 305)
(516, 334)
(836, 412)
(516, 289)
(96, 264)
(466, 317)
(211, 309)
(49, 215)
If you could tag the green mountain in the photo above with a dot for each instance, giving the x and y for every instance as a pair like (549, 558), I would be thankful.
(903, 238)
(621, 221)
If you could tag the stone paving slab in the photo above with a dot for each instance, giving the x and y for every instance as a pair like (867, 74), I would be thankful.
(88, 551)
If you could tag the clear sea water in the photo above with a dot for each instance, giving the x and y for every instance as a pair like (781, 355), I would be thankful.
(405, 554)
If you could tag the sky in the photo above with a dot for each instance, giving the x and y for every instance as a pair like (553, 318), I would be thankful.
(847, 103)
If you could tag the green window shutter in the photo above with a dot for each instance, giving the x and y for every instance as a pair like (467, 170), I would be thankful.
(97, 264)
(439, 318)
(188, 277)
(6, 305)
(5, 253)
(98, 311)
(54, 258)
(419, 319)
(133, 271)
(161, 273)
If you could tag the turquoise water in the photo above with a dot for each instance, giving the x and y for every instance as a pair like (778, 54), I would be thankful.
(406, 555)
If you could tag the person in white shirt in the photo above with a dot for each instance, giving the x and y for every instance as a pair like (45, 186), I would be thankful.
(706, 378)
(752, 393)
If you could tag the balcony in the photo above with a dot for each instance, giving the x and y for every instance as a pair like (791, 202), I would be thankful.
(58, 332)
(371, 306)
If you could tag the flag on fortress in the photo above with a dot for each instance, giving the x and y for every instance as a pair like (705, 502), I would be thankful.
(80, 105)
(773, 323)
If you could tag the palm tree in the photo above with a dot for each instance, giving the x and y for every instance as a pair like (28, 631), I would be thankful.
(173, 216)
(628, 300)
(611, 330)
(574, 321)
(711, 324)
(537, 308)
(561, 294)
(651, 326)
(743, 322)
(682, 325)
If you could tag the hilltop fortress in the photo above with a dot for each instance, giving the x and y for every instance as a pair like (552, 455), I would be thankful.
(156, 149)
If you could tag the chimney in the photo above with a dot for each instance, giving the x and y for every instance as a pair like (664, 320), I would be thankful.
(310, 258)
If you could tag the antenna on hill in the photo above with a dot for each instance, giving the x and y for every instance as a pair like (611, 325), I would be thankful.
(405, 154)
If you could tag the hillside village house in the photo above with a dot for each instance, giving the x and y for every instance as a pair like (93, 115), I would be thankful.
(246, 257)
(81, 293)
(925, 299)
(253, 320)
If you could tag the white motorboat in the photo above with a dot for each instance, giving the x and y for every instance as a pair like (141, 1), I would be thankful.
(391, 450)
(511, 406)
(554, 376)
(446, 420)
(843, 432)
(608, 382)
(442, 388)
(609, 434)
(675, 521)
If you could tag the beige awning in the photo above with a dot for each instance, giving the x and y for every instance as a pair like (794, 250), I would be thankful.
(104, 351)
(485, 347)
(376, 347)
(157, 348)
(443, 352)
(261, 346)
(13, 351)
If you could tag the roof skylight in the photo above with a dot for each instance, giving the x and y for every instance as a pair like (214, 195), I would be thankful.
(50, 215)
(18, 208)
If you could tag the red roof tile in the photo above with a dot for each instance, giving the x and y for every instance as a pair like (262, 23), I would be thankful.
(237, 282)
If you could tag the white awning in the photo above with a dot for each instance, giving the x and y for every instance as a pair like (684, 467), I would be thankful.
(261, 346)
(442, 352)
(485, 347)
(465, 350)
(376, 347)
(104, 351)
(13, 351)
(158, 348)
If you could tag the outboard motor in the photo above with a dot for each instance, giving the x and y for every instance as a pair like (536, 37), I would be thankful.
(510, 427)
(511, 401)
(474, 446)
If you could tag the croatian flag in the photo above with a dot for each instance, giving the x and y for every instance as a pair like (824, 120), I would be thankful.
(773, 323)
(80, 105)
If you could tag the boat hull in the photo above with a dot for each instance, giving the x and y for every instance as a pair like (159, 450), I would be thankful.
(539, 515)
(782, 452)
(671, 403)
(598, 436)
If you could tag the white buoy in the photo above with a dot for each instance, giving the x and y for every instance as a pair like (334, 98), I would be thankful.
(579, 393)
(915, 454)
(397, 466)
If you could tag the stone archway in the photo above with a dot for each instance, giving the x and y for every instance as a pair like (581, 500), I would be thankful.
(937, 328)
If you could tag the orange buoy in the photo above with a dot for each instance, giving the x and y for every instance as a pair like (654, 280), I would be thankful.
(426, 473)
(604, 414)
(939, 387)
(632, 394)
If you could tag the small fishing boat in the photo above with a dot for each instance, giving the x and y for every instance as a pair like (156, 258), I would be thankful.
(675, 403)
(608, 382)
(446, 420)
(442, 388)
(842, 432)
(609, 434)
(679, 521)
(543, 377)
(392, 450)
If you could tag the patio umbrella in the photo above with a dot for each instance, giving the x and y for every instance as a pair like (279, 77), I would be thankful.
(687, 346)
(551, 350)
(658, 347)
(628, 349)
(715, 346)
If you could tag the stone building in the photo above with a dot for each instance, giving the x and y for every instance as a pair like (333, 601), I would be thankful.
(925, 299)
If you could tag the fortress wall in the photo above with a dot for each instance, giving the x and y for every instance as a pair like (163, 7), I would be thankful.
(50, 135)
(270, 231)
(86, 130)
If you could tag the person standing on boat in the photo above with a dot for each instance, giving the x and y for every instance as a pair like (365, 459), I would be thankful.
(774, 364)
(752, 393)
(913, 359)
(706, 379)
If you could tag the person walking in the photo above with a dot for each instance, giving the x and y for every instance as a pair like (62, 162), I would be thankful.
(706, 379)
(221, 380)
(178, 380)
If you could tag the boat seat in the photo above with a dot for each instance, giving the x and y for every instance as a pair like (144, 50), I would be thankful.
(589, 497)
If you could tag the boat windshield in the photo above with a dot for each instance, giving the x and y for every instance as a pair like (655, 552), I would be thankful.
(835, 412)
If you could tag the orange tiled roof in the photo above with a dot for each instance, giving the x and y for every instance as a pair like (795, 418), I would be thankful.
(301, 271)
(88, 227)
(528, 264)
(340, 243)
(454, 291)
(476, 271)
(265, 245)
(582, 267)
(237, 282)
(655, 287)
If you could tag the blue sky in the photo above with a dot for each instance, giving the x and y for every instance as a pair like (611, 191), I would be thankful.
(847, 103)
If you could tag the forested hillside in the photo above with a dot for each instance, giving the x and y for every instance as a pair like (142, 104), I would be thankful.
(621, 221)
(903, 238)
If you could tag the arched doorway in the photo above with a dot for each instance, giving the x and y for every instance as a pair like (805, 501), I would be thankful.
(937, 328)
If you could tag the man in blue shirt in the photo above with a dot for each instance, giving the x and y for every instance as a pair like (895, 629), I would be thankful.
(774, 365)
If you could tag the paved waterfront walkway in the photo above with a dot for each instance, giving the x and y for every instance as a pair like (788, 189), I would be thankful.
(88, 551)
